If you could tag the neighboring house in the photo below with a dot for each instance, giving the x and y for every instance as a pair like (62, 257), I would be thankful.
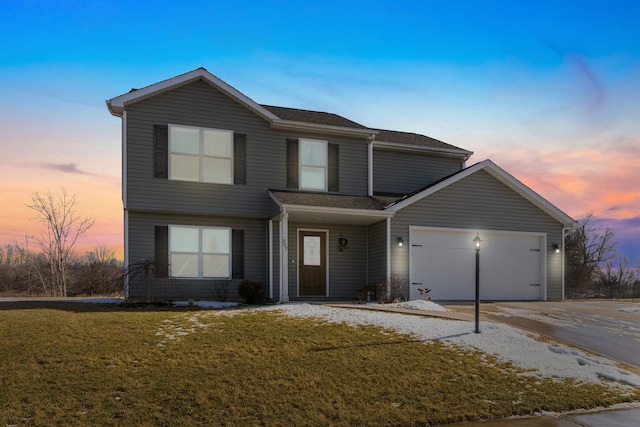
(217, 187)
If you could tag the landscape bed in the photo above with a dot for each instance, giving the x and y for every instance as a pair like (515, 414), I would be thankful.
(296, 364)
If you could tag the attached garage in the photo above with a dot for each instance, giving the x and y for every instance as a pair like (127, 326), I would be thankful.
(512, 264)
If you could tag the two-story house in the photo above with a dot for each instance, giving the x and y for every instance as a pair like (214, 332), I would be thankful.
(314, 205)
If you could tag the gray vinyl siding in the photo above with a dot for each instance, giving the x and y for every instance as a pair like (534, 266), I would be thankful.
(142, 244)
(478, 202)
(347, 269)
(198, 104)
(405, 172)
(377, 252)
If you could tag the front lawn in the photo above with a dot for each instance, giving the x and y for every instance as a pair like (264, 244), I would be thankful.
(84, 364)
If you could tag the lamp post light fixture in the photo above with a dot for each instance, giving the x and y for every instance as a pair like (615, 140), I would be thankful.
(477, 241)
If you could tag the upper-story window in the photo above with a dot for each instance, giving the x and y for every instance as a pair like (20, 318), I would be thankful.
(200, 154)
(313, 164)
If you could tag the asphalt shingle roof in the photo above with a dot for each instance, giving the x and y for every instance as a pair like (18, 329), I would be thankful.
(330, 119)
(316, 117)
(333, 200)
(409, 138)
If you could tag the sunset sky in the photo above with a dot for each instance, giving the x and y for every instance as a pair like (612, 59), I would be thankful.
(549, 90)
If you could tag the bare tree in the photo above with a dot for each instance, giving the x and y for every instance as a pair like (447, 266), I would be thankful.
(588, 248)
(619, 280)
(99, 272)
(63, 227)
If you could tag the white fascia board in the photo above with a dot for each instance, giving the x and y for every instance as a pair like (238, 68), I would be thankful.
(275, 199)
(330, 210)
(342, 211)
(458, 152)
(504, 177)
(116, 105)
(326, 129)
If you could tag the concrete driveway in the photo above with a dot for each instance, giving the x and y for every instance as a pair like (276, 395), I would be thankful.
(607, 328)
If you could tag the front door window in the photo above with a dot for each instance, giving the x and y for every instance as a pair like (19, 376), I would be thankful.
(313, 263)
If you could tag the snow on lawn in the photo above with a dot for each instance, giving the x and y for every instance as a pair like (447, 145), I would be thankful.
(508, 344)
(634, 310)
(207, 304)
(418, 304)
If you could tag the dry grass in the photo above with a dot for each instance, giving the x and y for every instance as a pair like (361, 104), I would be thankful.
(77, 364)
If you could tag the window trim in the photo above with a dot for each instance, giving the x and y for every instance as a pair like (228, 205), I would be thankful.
(325, 167)
(201, 156)
(201, 253)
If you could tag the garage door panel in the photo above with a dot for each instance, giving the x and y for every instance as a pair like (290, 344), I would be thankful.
(444, 261)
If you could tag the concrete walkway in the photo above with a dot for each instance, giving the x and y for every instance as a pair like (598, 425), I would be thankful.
(453, 314)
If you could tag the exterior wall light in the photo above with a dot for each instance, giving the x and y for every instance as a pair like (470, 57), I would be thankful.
(400, 242)
(556, 248)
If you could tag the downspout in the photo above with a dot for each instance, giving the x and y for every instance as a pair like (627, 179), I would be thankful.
(388, 256)
(370, 155)
(270, 257)
(284, 258)
(565, 230)
(124, 203)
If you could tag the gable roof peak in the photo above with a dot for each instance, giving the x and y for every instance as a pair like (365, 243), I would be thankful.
(501, 175)
(117, 105)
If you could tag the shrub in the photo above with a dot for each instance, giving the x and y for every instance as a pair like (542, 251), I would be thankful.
(251, 291)
(221, 289)
(390, 290)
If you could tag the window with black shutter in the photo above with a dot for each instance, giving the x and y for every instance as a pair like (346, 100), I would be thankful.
(239, 158)
(333, 169)
(292, 163)
(161, 251)
(237, 254)
(161, 151)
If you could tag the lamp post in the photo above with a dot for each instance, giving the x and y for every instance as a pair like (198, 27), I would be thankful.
(476, 243)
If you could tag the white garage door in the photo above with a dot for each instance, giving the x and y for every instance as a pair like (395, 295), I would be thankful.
(443, 260)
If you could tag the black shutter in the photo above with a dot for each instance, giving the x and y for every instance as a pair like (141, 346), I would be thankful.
(161, 151)
(161, 251)
(333, 169)
(239, 158)
(237, 254)
(292, 163)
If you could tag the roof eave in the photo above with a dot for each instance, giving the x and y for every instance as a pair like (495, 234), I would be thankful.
(454, 152)
(344, 211)
(326, 129)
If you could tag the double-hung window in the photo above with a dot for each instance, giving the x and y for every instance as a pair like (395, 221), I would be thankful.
(313, 164)
(200, 154)
(200, 252)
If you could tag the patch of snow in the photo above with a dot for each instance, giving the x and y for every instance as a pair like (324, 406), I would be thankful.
(633, 310)
(206, 304)
(506, 343)
(105, 300)
(419, 304)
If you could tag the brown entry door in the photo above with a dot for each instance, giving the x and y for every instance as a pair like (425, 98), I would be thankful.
(312, 263)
